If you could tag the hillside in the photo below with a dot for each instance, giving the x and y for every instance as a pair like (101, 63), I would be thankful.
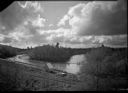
(105, 69)
(61, 54)
(9, 51)
(54, 54)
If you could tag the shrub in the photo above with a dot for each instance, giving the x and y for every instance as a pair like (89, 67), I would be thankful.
(7, 51)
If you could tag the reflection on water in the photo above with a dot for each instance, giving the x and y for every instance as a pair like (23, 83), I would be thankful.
(72, 66)
(75, 63)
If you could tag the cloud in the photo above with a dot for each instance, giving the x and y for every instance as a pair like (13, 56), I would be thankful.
(57, 35)
(24, 36)
(90, 25)
(11, 17)
(31, 4)
(98, 18)
(108, 20)
(7, 40)
(63, 20)
(90, 41)
(117, 41)
(16, 15)
(36, 22)
(50, 25)
(20, 23)
(65, 36)
(1, 37)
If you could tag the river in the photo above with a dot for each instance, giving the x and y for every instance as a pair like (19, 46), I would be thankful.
(72, 66)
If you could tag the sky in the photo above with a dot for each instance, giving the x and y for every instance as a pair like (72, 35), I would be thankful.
(76, 24)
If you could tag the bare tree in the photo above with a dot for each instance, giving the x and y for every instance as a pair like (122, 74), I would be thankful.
(57, 44)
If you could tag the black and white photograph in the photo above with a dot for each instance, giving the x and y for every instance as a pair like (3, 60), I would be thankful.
(63, 45)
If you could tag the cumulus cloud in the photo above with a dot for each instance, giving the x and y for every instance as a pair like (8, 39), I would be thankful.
(65, 36)
(108, 20)
(98, 18)
(90, 25)
(37, 22)
(57, 35)
(1, 37)
(6, 40)
(63, 20)
(97, 22)
(29, 4)
(11, 17)
(15, 15)
(50, 25)
(19, 23)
